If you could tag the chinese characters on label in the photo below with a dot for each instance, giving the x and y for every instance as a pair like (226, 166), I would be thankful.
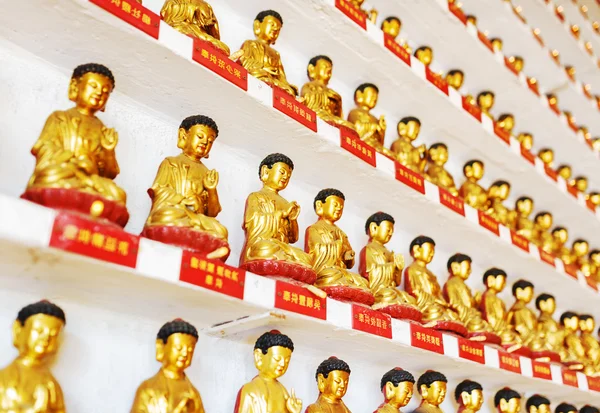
(488, 223)
(352, 143)
(212, 275)
(471, 350)
(355, 14)
(396, 48)
(286, 103)
(298, 299)
(472, 109)
(371, 321)
(510, 362)
(541, 370)
(436, 80)
(133, 13)
(410, 178)
(426, 338)
(215, 61)
(519, 241)
(569, 378)
(546, 257)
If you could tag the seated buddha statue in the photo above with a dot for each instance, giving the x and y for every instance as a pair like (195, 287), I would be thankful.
(587, 325)
(331, 253)
(170, 390)
(184, 195)
(506, 121)
(194, 18)
(422, 284)
(370, 129)
(526, 140)
(546, 155)
(594, 198)
(424, 54)
(507, 400)
(436, 173)
(403, 149)
(471, 191)
(596, 141)
(594, 258)
(496, 44)
(580, 251)
(469, 396)
(455, 78)
(27, 384)
(332, 376)
(75, 161)
(397, 387)
(392, 26)
(542, 237)
(517, 63)
(264, 393)
(316, 94)
(552, 332)
(271, 225)
(458, 294)
(259, 58)
(552, 100)
(564, 171)
(499, 192)
(580, 182)
(560, 236)
(573, 352)
(520, 221)
(485, 101)
(571, 121)
(371, 14)
(432, 386)
(383, 270)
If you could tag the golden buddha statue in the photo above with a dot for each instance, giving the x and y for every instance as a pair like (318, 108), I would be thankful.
(594, 258)
(271, 225)
(485, 101)
(585, 132)
(458, 294)
(589, 409)
(580, 250)
(526, 140)
(424, 54)
(596, 142)
(371, 14)
(473, 193)
(564, 171)
(436, 173)
(507, 400)
(264, 393)
(517, 62)
(547, 157)
(587, 325)
(170, 390)
(552, 99)
(580, 182)
(506, 121)
(494, 310)
(499, 192)
(26, 384)
(383, 270)
(432, 386)
(469, 396)
(194, 18)
(455, 78)
(573, 354)
(565, 408)
(370, 129)
(397, 388)
(542, 237)
(519, 219)
(496, 44)
(392, 26)
(560, 236)
(422, 284)
(316, 94)
(259, 58)
(184, 195)
(571, 71)
(413, 157)
(550, 329)
(332, 377)
(75, 153)
(331, 252)
(594, 198)
(538, 404)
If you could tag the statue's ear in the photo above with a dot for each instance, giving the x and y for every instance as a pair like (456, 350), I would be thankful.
(372, 228)
(264, 173)
(17, 328)
(319, 207)
(181, 138)
(160, 350)
(256, 27)
(311, 71)
(73, 90)
(321, 383)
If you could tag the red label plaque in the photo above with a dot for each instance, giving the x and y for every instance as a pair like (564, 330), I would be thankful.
(569, 378)
(510, 66)
(541, 370)
(552, 174)
(484, 39)
(133, 13)
(533, 87)
(299, 300)
(501, 133)
(593, 383)
(83, 236)
(212, 275)
(527, 155)
(215, 61)
(471, 350)
(350, 141)
(590, 205)
(457, 11)
(396, 48)
(450, 201)
(519, 241)
(472, 109)
(572, 190)
(488, 223)
(426, 338)
(591, 283)
(546, 257)
(510, 362)
(410, 178)
(371, 321)
(571, 270)
(436, 80)
(355, 14)
(286, 103)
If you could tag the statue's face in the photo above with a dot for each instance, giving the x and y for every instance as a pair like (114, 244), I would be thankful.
(439, 155)
(547, 156)
(524, 294)
(496, 282)
(461, 269)
(391, 27)
(571, 323)
(275, 363)
(564, 171)
(588, 325)
(410, 129)
(517, 63)
(581, 248)
(542, 408)
(475, 171)
(595, 198)
(570, 71)
(335, 385)
(503, 191)
(424, 252)
(178, 351)
(581, 183)
(472, 401)
(525, 206)
(425, 55)
(544, 221)
(511, 406)
(320, 71)
(434, 394)
(91, 91)
(552, 99)
(509, 122)
(560, 235)
(197, 141)
(382, 232)
(331, 209)
(497, 44)
(366, 97)
(268, 29)
(595, 257)
(400, 395)
(485, 100)
(455, 79)
(38, 338)
(277, 177)
(526, 140)
(548, 306)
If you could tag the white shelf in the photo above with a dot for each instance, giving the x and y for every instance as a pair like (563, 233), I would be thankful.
(574, 16)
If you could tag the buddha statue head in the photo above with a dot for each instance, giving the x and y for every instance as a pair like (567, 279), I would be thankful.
(552, 99)
(472, 19)
(526, 140)
(546, 304)
(409, 127)
(596, 144)
(538, 404)
(565, 408)
(507, 122)
(496, 44)
(196, 136)
(494, 279)
(532, 81)
(459, 265)
(272, 354)
(267, 25)
(332, 377)
(547, 156)
(543, 220)
(524, 206)
(36, 331)
(485, 100)
(438, 154)
(522, 290)
(329, 204)
(380, 227)
(391, 26)
(581, 183)
(474, 170)
(397, 387)
(580, 247)
(594, 198)
(275, 171)
(555, 55)
(560, 235)
(594, 257)
(175, 345)
(424, 54)
(570, 71)
(507, 400)
(587, 324)
(517, 62)
(499, 190)
(366, 95)
(564, 171)
(570, 321)
(432, 387)
(589, 409)
(469, 395)
(422, 249)
(586, 132)
(320, 69)
(455, 78)
(90, 87)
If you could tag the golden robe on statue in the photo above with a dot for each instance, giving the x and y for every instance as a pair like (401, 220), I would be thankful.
(322, 405)
(160, 394)
(262, 396)
(326, 103)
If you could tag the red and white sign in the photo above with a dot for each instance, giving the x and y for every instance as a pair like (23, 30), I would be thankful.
(426, 338)
(410, 178)
(286, 103)
(541, 370)
(351, 11)
(350, 141)
(213, 275)
(488, 223)
(215, 61)
(298, 299)
(371, 321)
(471, 350)
(133, 13)
(509, 362)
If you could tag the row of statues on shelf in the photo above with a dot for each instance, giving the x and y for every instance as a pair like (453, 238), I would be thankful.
(27, 383)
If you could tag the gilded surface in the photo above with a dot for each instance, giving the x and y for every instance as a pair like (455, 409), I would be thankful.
(459, 296)
(525, 324)
(331, 391)
(370, 129)
(414, 158)
(497, 194)
(495, 313)
(471, 191)
(436, 173)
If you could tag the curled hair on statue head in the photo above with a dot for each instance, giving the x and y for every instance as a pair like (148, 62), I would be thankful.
(273, 338)
(331, 364)
(41, 307)
(177, 326)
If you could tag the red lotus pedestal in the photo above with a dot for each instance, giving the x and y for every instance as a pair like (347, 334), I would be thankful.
(184, 237)
(355, 295)
(284, 269)
(402, 312)
(450, 326)
(485, 337)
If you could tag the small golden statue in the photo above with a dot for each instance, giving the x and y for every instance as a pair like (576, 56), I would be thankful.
(499, 192)
(316, 94)
(170, 390)
(519, 218)
(422, 284)
(432, 387)
(506, 121)
(424, 54)
(383, 269)
(413, 157)
(496, 44)
(194, 18)
(526, 140)
(589, 409)
(580, 182)
(271, 225)
(543, 238)
(594, 257)
(571, 71)
(472, 19)
(259, 58)
(550, 329)
(587, 325)
(552, 100)
(371, 14)
(392, 26)
(473, 193)
(547, 157)
(455, 78)
(596, 141)
(458, 294)
(594, 198)
(332, 377)
(397, 388)
(331, 252)
(564, 171)
(573, 354)
(538, 404)
(436, 173)
(469, 396)
(184, 195)
(370, 129)
(580, 251)
(485, 101)
(517, 63)
(560, 236)
(26, 384)
(565, 408)
(507, 400)
(264, 393)
(75, 161)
